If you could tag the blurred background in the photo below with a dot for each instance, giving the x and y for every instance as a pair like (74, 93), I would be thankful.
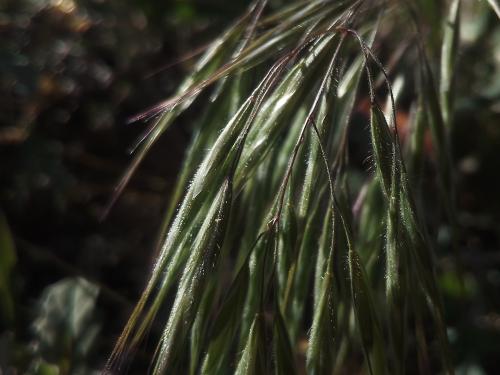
(71, 73)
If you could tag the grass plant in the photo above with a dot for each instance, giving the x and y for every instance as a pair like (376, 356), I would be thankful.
(280, 253)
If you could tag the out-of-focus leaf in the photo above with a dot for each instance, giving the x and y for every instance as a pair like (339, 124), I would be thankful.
(44, 368)
(449, 47)
(65, 324)
(495, 6)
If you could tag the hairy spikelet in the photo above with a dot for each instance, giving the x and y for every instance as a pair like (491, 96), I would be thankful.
(263, 246)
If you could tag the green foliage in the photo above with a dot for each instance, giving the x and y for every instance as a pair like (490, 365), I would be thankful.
(63, 332)
(304, 260)
(65, 327)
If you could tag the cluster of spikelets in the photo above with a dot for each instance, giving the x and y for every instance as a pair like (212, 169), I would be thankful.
(270, 242)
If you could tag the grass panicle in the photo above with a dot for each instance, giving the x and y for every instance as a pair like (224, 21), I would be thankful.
(276, 235)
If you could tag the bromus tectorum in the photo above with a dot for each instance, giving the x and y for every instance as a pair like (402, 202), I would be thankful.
(320, 250)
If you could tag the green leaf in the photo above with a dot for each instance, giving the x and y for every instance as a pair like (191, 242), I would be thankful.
(65, 319)
(44, 368)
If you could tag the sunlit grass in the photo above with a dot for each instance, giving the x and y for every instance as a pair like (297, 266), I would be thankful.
(267, 241)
